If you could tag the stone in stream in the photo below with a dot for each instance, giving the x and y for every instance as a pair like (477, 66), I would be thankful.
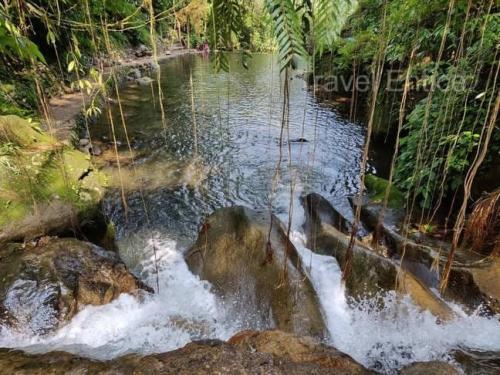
(144, 81)
(233, 254)
(83, 142)
(370, 274)
(142, 51)
(474, 279)
(135, 73)
(43, 286)
(427, 368)
(298, 350)
(275, 353)
(323, 211)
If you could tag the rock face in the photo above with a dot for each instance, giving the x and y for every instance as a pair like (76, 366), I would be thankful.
(233, 253)
(474, 279)
(370, 273)
(203, 357)
(45, 285)
(320, 210)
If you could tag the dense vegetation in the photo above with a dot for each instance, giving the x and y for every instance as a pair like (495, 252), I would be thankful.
(447, 51)
(433, 68)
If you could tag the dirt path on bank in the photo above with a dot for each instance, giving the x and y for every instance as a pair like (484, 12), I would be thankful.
(64, 109)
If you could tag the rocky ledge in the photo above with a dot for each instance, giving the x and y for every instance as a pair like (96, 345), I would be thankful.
(248, 352)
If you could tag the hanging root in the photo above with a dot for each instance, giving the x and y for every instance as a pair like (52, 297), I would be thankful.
(483, 227)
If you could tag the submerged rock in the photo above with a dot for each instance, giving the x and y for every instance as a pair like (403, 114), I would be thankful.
(44, 285)
(144, 81)
(201, 357)
(260, 278)
(370, 273)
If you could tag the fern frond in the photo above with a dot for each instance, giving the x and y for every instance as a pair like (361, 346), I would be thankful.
(287, 27)
(228, 23)
(328, 16)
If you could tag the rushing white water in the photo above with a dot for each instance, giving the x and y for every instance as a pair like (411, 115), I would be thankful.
(240, 145)
(185, 309)
(396, 335)
(182, 311)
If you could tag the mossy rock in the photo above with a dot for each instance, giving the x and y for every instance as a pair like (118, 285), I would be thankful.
(24, 134)
(376, 188)
(38, 178)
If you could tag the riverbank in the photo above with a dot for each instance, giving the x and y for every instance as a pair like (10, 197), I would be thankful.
(65, 110)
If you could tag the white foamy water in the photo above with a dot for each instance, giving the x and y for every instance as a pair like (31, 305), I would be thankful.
(396, 335)
(185, 309)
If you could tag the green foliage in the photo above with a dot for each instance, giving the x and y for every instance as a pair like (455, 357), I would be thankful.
(227, 26)
(287, 28)
(377, 187)
(13, 44)
(451, 88)
(328, 16)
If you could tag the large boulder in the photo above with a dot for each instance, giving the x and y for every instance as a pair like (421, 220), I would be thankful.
(320, 210)
(44, 285)
(261, 278)
(371, 274)
(298, 350)
(474, 278)
(202, 357)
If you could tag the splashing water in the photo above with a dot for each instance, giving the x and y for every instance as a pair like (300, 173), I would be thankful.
(182, 311)
(239, 145)
(398, 334)
(185, 309)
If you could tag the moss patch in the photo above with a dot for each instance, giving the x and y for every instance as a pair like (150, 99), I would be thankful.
(376, 188)
(36, 170)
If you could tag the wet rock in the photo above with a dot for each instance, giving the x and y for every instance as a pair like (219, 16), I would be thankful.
(142, 51)
(232, 252)
(144, 81)
(426, 368)
(83, 142)
(321, 211)
(95, 150)
(298, 350)
(477, 362)
(476, 286)
(370, 273)
(44, 285)
(474, 279)
(201, 357)
(135, 73)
